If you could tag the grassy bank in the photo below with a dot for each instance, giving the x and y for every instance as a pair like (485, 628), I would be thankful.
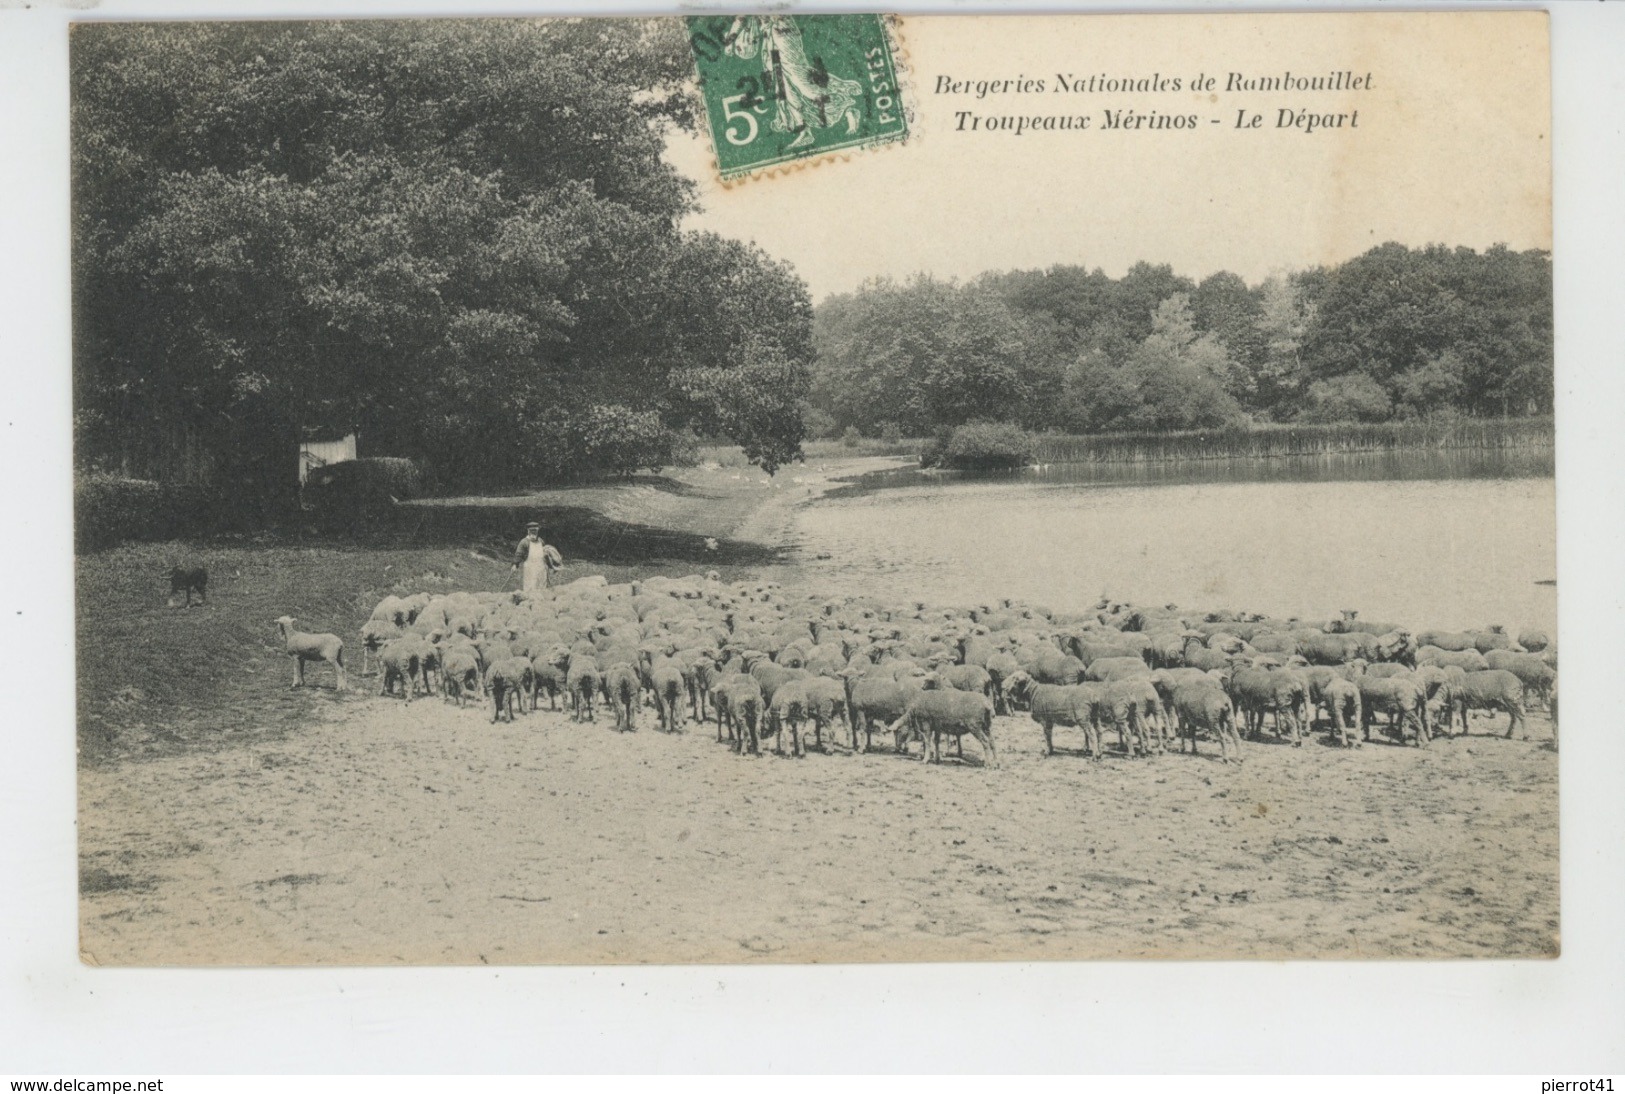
(157, 681)
(1271, 441)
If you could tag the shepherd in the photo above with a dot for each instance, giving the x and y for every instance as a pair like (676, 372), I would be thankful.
(538, 559)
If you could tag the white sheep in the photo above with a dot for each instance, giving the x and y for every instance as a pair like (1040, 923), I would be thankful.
(304, 647)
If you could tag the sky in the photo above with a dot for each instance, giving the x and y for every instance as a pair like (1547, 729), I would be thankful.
(1451, 145)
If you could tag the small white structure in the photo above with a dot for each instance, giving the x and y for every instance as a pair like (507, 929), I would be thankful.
(314, 454)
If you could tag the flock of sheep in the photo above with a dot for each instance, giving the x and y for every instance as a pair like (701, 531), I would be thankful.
(763, 665)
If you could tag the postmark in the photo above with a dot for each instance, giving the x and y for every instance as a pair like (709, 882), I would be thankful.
(782, 89)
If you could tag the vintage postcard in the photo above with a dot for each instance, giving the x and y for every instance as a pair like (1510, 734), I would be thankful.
(815, 488)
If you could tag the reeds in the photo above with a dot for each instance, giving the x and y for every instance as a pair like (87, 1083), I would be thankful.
(1271, 441)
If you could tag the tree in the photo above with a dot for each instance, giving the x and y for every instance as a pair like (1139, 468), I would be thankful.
(930, 354)
(460, 237)
(1276, 377)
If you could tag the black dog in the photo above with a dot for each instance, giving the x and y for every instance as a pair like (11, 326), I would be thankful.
(184, 581)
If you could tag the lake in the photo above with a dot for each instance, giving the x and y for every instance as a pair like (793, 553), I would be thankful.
(1430, 539)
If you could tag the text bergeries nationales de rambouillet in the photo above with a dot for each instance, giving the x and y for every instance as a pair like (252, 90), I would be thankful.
(1105, 83)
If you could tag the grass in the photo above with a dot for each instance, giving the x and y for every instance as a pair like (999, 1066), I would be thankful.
(158, 681)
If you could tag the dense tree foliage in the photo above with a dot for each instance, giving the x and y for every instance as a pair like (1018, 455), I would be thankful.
(1396, 332)
(460, 238)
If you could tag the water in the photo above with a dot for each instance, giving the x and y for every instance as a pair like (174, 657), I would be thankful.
(1428, 539)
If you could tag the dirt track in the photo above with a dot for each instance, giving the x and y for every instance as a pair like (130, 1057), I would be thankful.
(387, 834)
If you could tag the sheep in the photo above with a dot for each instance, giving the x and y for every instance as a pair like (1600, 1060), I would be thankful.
(510, 681)
(1340, 699)
(875, 698)
(1536, 674)
(745, 710)
(459, 673)
(1206, 706)
(581, 684)
(1402, 700)
(1166, 681)
(402, 662)
(936, 711)
(1448, 640)
(787, 711)
(825, 703)
(1107, 669)
(304, 647)
(374, 633)
(999, 666)
(1468, 660)
(1065, 705)
(548, 676)
(393, 610)
(666, 680)
(1257, 691)
(623, 692)
(1134, 707)
(968, 678)
(1532, 640)
(1492, 689)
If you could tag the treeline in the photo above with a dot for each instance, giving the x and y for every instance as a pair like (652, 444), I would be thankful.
(459, 238)
(1394, 334)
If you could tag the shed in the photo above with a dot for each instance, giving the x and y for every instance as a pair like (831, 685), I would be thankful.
(314, 453)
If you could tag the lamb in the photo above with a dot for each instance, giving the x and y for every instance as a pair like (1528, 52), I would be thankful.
(624, 693)
(304, 647)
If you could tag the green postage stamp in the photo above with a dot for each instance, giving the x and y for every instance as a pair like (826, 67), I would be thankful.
(784, 88)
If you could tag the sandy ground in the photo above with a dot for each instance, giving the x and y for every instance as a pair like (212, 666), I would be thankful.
(391, 834)
(261, 826)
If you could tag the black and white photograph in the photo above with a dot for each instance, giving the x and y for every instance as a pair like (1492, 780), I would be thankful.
(826, 488)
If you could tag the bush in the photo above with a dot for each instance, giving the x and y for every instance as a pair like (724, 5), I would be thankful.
(617, 440)
(355, 495)
(820, 424)
(851, 437)
(983, 446)
(1354, 397)
(109, 509)
(891, 432)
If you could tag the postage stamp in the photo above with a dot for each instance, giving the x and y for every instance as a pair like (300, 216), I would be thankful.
(783, 88)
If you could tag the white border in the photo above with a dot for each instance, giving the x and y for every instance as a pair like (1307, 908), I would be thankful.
(58, 1017)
